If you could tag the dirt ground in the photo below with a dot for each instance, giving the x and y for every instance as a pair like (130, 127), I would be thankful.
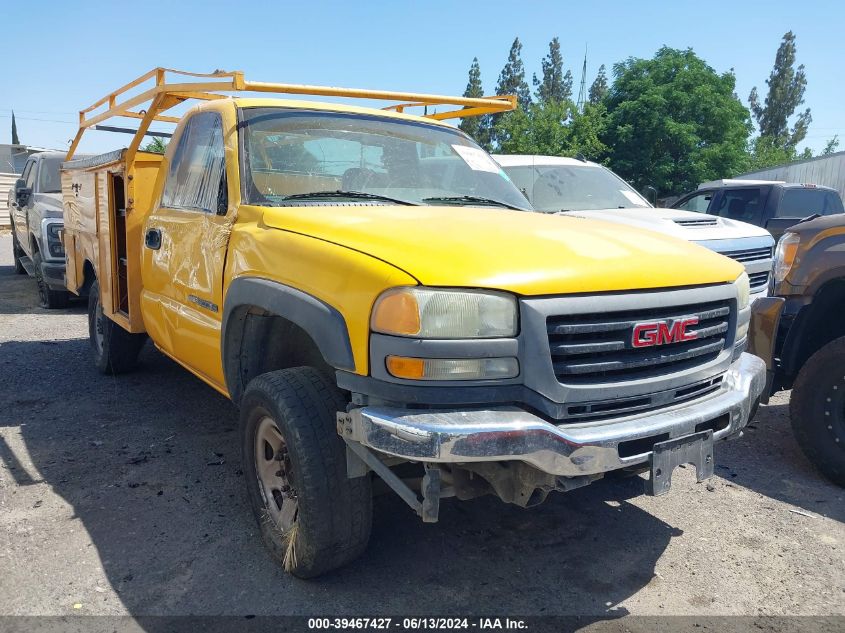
(125, 496)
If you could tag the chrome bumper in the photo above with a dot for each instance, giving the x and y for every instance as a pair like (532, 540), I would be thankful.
(509, 433)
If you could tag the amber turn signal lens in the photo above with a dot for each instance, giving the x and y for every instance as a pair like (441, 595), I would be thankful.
(397, 312)
(452, 368)
(410, 368)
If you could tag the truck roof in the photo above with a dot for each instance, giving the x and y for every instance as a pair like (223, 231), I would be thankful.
(736, 182)
(328, 106)
(729, 183)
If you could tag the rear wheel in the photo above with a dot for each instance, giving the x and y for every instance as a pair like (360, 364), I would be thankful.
(47, 297)
(312, 517)
(17, 253)
(115, 350)
(817, 410)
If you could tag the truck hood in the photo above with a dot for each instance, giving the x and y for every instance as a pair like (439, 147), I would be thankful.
(687, 225)
(50, 203)
(517, 251)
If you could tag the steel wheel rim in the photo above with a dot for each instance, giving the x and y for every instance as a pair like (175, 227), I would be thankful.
(272, 467)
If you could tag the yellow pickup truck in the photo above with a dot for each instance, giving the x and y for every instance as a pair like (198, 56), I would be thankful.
(379, 300)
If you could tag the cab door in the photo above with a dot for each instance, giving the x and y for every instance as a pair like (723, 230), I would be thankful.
(185, 247)
(20, 212)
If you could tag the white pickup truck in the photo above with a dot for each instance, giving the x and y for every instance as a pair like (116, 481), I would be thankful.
(578, 187)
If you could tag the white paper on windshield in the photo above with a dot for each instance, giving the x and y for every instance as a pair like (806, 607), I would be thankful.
(477, 159)
(632, 197)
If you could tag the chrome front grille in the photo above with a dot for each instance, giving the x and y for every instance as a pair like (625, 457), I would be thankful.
(759, 280)
(749, 254)
(599, 347)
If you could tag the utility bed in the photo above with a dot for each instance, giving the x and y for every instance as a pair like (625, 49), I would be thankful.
(103, 228)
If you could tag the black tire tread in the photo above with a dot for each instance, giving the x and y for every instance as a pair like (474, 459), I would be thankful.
(336, 517)
(120, 348)
(53, 299)
(805, 412)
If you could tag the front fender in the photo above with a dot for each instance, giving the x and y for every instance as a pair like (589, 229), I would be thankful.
(323, 323)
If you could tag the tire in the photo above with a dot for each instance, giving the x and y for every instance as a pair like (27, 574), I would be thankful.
(115, 350)
(47, 297)
(17, 253)
(817, 410)
(288, 421)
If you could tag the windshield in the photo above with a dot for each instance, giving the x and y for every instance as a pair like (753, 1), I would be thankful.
(552, 188)
(49, 180)
(292, 153)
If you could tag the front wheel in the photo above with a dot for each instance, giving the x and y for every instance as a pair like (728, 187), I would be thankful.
(47, 297)
(312, 517)
(817, 410)
(115, 350)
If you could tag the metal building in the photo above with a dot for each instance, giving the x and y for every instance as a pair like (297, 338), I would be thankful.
(822, 170)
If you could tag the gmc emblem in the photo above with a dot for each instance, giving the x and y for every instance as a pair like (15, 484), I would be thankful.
(661, 332)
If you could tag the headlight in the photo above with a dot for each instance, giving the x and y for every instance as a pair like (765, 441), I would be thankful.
(743, 288)
(433, 313)
(54, 239)
(785, 255)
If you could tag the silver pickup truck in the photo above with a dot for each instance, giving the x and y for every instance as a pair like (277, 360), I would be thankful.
(35, 210)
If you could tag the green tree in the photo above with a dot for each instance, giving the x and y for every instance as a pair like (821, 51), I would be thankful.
(157, 145)
(512, 78)
(786, 92)
(831, 146)
(15, 139)
(673, 122)
(477, 126)
(511, 82)
(555, 85)
(555, 128)
(598, 89)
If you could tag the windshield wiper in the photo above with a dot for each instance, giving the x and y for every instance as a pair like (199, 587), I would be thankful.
(477, 199)
(362, 195)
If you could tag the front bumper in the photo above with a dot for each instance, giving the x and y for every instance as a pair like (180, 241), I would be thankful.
(763, 336)
(54, 275)
(568, 450)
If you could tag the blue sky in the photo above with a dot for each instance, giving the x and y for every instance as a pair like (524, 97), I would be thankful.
(70, 53)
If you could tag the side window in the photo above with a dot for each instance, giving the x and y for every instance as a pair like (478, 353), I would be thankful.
(745, 205)
(833, 204)
(698, 203)
(799, 203)
(29, 174)
(196, 179)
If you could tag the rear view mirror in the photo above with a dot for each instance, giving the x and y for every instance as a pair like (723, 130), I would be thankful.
(650, 194)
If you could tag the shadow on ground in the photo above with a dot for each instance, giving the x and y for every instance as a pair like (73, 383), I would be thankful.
(150, 464)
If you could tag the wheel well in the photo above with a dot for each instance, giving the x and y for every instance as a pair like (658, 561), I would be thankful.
(821, 324)
(258, 341)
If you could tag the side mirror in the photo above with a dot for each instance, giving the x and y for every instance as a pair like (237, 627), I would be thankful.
(22, 192)
(650, 195)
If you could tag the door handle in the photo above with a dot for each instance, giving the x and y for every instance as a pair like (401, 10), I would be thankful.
(152, 239)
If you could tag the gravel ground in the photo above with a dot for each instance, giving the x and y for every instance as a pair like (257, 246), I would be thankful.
(125, 496)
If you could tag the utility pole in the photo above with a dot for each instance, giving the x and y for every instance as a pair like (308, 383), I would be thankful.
(582, 91)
